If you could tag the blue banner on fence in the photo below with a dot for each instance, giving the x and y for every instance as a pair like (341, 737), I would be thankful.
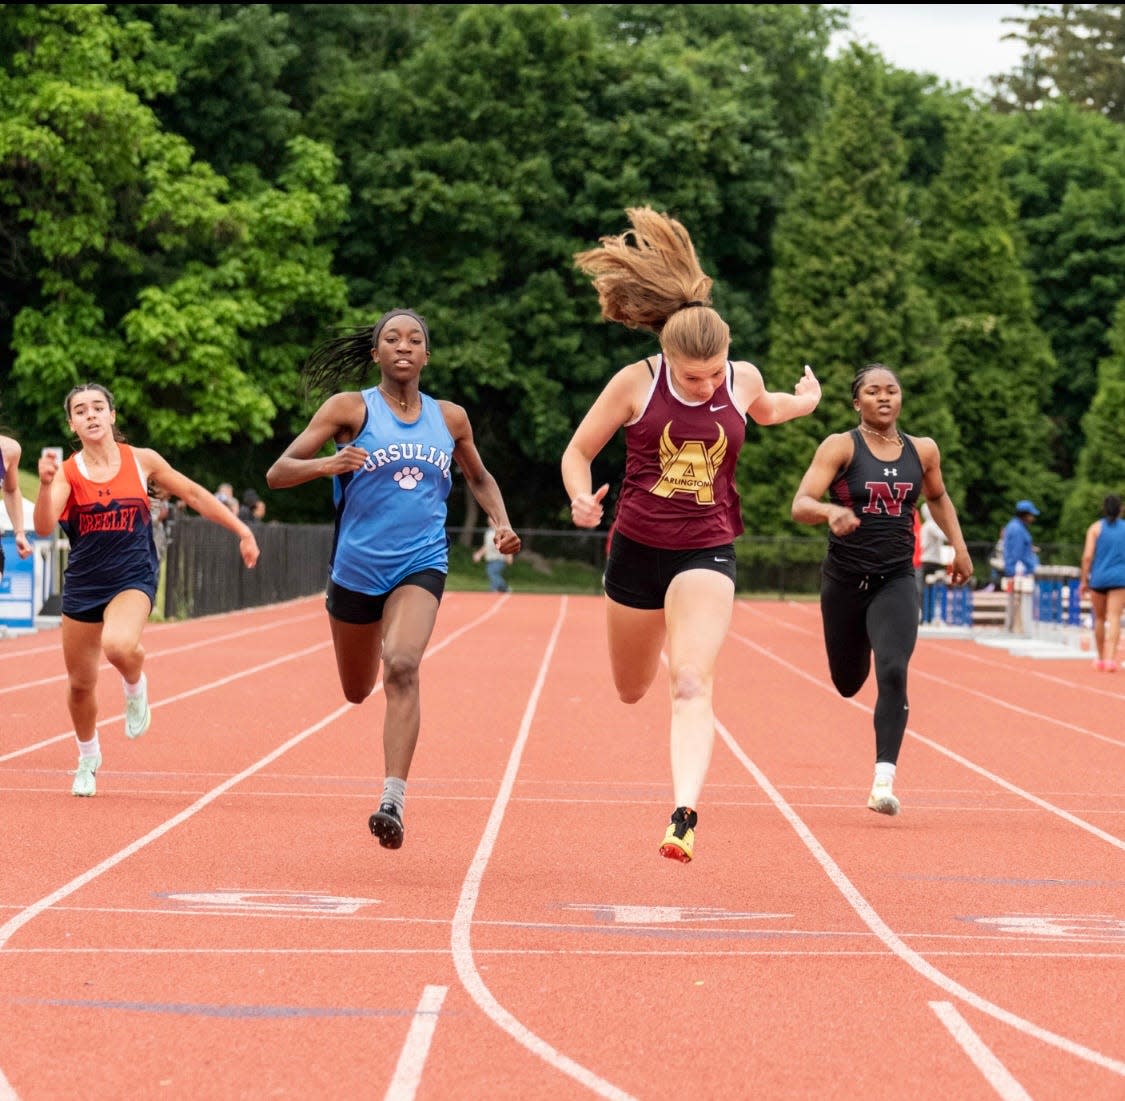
(17, 588)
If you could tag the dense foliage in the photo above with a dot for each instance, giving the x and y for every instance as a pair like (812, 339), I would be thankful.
(191, 196)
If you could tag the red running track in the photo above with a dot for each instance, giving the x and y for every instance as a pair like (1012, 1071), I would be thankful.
(218, 922)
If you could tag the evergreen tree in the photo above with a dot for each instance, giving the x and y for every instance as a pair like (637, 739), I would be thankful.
(1101, 466)
(1002, 363)
(844, 292)
(1073, 52)
(1066, 171)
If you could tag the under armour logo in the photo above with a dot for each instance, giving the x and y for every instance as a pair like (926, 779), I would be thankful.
(890, 471)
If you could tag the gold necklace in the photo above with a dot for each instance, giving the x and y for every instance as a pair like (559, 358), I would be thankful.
(401, 404)
(896, 438)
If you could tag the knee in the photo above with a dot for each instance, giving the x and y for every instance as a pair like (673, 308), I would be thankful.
(400, 672)
(847, 686)
(357, 693)
(688, 684)
(117, 653)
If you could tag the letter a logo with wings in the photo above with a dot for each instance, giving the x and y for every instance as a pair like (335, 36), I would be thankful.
(689, 468)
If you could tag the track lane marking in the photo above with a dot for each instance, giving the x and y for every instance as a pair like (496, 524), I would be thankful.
(412, 1058)
(995, 1073)
(470, 891)
(867, 913)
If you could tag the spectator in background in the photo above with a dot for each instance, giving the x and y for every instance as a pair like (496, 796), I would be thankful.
(161, 509)
(932, 541)
(252, 509)
(1020, 553)
(494, 561)
(13, 500)
(225, 493)
(1103, 579)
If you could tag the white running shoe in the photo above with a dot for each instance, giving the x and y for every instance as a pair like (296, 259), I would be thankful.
(84, 775)
(882, 798)
(138, 717)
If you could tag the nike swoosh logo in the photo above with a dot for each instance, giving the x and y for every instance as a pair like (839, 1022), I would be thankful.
(722, 559)
(716, 408)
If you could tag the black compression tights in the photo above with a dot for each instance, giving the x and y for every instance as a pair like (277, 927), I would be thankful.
(881, 619)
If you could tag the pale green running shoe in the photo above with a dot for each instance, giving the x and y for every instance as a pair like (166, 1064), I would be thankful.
(882, 798)
(138, 716)
(84, 775)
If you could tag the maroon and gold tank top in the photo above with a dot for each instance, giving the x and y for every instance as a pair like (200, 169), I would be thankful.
(679, 490)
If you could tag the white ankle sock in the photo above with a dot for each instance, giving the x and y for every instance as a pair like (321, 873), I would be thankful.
(884, 770)
(133, 690)
(394, 791)
(90, 748)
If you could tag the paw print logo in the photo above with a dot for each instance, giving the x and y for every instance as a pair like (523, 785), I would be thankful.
(408, 477)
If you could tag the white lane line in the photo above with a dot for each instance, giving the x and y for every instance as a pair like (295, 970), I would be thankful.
(12, 925)
(412, 1059)
(996, 1074)
(153, 655)
(867, 912)
(470, 890)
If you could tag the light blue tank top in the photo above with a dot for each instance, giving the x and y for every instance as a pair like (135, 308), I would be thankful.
(1108, 571)
(390, 514)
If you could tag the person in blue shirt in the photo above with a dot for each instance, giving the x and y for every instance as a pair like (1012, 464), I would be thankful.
(1017, 543)
(1103, 580)
(389, 449)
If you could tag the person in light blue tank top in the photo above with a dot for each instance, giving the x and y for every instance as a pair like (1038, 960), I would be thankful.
(1103, 580)
(391, 471)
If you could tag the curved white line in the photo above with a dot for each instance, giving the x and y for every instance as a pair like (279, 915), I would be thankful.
(470, 890)
(12, 925)
(867, 912)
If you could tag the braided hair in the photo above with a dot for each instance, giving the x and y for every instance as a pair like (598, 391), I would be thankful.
(345, 358)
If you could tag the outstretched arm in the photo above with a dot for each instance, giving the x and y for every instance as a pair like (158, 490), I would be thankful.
(772, 407)
(614, 407)
(13, 499)
(481, 483)
(198, 498)
(942, 509)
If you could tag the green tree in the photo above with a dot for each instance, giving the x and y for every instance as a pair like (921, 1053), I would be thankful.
(845, 292)
(1101, 465)
(136, 264)
(972, 267)
(470, 195)
(1073, 52)
(1066, 170)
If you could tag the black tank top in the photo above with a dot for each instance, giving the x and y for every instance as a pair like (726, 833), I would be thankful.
(882, 494)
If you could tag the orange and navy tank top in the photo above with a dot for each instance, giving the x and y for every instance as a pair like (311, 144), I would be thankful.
(679, 490)
(882, 493)
(109, 527)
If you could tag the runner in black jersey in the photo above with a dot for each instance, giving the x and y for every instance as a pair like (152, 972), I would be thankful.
(873, 475)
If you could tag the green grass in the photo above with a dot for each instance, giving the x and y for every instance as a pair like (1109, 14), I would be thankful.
(524, 575)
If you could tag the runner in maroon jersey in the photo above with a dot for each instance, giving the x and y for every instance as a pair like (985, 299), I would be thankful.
(670, 577)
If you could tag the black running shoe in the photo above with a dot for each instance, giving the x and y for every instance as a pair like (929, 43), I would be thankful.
(679, 838)
(386, 825)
